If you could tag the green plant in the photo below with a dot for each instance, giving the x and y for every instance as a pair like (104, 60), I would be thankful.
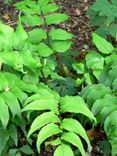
(90, 68)
(104, 16)
(25, 63)
(42, 13)
(102, 101)
(54, 123)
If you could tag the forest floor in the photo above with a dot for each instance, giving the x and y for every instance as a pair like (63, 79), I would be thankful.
(78, 25)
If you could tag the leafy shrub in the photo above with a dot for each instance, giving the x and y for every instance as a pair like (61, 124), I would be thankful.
(25, 63)
(104, 16)
(102, 101)
(53, 123)
(90, 68)
(43, 14)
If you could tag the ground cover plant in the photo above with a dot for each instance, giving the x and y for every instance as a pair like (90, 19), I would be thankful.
(104, 16)
(48, 99)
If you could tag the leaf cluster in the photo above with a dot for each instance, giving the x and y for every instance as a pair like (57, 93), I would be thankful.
(104, 16)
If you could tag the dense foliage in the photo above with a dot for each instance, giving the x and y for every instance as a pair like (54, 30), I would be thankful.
(42, 108)
(104, 16)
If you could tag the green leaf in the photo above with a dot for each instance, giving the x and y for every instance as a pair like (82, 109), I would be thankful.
(28, 6)
(6, 37)
(63, 150)
(17, 92)
(60, 34)
(37, 35)
(110, 127)
(61, 46)
(4, 137)
(31, 78)
(12, 103)
(4, 113)
(56, 18)
(46, 132)
(13, 133)
(94, 60)
(31, 20)
(44, 50)
(12, 59)
(75, 104)
(55, 142)
(88, 78)
(97, 92)
(42, 120)
(105, 112)
(79, 67)
(20, 36)
(100, 103)
(67, 124)
(44, 101)
(74, 140)
(102, 45)
(44, 2)
(29, 61)
(49, 8)
(26, 150)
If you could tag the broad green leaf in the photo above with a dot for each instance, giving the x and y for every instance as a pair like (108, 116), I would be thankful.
(55, 142)
(43, 103)
(49, 8)
(100, 103)
(105, 112)
(31, 78)
(20, 36)
(12, 103)
(13, 133)
(88, 78)
(61, 46)
(63, 150)
(60, 34)
(102, 45)
(75, 104)
(12, 59)
(44, 2)
(79, 67)
(46, 132)
(6, 37)
(3, 82)
(74, 140)
(29, 61)
(31, 20)
(113, 143)
(85, 91)
(44, 93)
(42, 120)
(94, 60)
(28, 87)
(17, 92)
(56, 18)
(26, 149)
(110, 127)
(28, 6)
(73, 125)
(4, 112)
(111, 58)
(4, 137)
(114, 85)
(97, 92)
(37, 35)
(44, 50)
